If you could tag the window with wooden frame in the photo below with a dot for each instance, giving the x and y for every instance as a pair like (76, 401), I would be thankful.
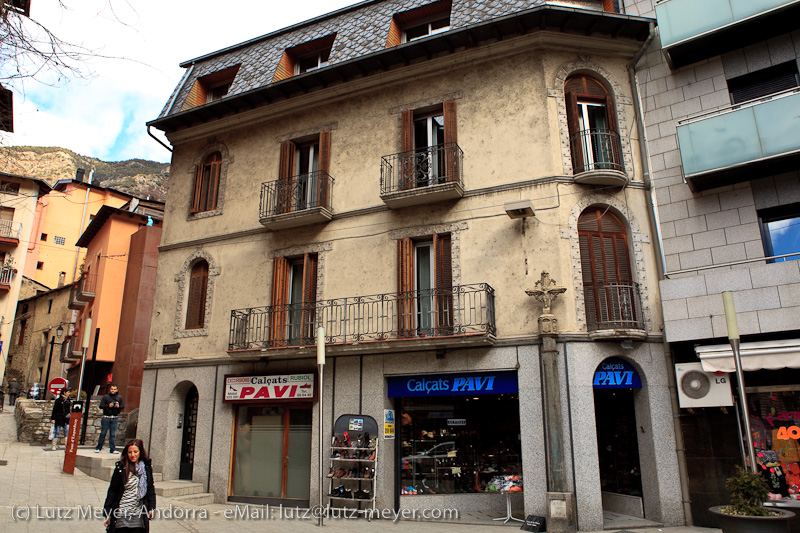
(198, 289)
(210, 87)
(593, 133)
(206, 184)
(305, 57)
(429, 146)
(419, 22)
(294, 296)
(303, 173)
(425, 286)
(608, 287)
(611, 6)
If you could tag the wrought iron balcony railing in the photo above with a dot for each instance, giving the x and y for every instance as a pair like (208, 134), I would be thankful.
(613, 306)
(6, 275)
(421, 168)
(87, 287)
(596, 150)
(10, 229)
(454, 311)
(298, 193)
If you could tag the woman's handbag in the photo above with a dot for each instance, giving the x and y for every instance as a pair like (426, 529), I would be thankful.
(52, 432)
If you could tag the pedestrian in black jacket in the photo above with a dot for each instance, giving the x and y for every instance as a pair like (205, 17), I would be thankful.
(131, 499)
(60, 416)
(111, 405)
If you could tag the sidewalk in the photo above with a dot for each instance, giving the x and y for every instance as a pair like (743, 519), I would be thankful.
(38, 497)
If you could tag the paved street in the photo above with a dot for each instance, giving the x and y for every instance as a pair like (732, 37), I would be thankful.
(37, 497)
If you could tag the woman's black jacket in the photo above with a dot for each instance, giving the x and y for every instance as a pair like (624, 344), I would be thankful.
(117, 487)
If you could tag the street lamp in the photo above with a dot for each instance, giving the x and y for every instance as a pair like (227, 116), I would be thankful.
(59, 332)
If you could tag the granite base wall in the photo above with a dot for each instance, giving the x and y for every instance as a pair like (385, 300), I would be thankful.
(33, 422)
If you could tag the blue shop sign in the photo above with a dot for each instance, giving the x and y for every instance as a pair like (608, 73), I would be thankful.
(616, 373)
(473, 384)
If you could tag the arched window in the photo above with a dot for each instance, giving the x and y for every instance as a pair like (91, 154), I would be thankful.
(611, 296)
(593, 133)
(206, 184)
(196, 305)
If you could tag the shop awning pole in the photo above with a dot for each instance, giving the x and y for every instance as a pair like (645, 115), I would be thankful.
(733, 336)
(321, 366)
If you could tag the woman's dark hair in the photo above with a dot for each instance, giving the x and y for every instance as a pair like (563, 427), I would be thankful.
(127, 466)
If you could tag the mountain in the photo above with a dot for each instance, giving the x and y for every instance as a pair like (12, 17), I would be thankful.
(137, 177)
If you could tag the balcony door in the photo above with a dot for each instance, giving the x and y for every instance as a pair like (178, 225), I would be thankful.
(294, 295)
(592, 129)
(608, 287)
(425, 287)
(307, 171)
(429, 163)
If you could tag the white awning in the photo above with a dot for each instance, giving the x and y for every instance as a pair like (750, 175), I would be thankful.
(766, 355)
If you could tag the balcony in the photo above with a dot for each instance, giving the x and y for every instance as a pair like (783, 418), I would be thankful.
(692, 30)
(423, 176)
(72, 350)
(86, 287)
(597, 158)
(614, 310)
(74, 303)
(10, 232)
(302, 200)
(6, 277)
(741, 142)
(453, 317)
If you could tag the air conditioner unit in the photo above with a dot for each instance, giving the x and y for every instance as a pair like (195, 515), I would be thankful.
(697, 388)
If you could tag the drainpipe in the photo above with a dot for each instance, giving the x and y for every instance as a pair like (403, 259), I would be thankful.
(655, 225)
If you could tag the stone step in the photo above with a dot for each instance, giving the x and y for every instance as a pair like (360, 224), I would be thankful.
(177, 488)
(203, 498)
(95, 461)
(100, 472)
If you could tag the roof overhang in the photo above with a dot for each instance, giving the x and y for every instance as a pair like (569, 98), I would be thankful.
(539, 19)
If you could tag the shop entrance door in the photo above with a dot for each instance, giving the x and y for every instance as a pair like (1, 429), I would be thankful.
(618, 449)
(272, 462)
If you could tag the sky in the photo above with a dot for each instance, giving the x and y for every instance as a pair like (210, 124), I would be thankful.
(137, 46)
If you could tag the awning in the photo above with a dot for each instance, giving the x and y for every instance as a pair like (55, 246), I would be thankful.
(767, 355)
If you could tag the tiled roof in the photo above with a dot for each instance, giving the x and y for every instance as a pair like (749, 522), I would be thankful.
(360, 30)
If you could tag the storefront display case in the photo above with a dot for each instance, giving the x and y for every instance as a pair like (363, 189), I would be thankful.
(353, 463)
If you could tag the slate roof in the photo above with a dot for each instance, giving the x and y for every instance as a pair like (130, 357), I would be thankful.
(360, 30)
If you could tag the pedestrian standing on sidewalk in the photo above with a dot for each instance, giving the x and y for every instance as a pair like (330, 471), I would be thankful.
(13, 391)
(111, 405)
(60, 416)
(131, 499)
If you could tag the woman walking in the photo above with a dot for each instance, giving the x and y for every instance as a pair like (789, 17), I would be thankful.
(131, 499)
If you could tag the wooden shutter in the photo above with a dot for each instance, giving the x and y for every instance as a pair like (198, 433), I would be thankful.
(408, 160)
(196, 304)
(407, 131)
(309, 297)
(324, 167)
(451, 159)
(286, 177)
(280, 293)
(443, 270)
(575, 141)
(198, 184)
(214, 163)
(405, 287)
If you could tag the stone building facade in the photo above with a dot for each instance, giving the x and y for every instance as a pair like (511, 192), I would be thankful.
(400, 174)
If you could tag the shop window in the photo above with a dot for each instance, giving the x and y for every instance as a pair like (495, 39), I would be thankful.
(419, 22)
(610, 295)
(196, 304)
(206, 184)
(210, 87)
(780, 232)
(774, 421)
(429, 146)
(594, 141)
(764, 82)
(294, 295)
(304, 179)
(425, 286)
(305, 57)
(458, 444)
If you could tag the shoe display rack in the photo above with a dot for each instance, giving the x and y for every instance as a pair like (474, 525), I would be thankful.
(353, 467)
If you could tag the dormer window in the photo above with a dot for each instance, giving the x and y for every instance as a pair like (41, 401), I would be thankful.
(312, 62)
(305, 57)
(211, 87)
(428, 28)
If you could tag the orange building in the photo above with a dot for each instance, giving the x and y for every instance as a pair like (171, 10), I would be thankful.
(61, 218)
(115, 290)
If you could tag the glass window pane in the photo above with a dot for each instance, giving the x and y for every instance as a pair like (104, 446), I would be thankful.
(299, 465)
(257, 473)
(784, 235)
